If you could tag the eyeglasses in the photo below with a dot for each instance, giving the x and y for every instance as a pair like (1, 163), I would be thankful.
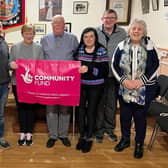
(110, 18)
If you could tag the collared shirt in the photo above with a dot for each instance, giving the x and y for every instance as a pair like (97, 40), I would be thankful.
(107, 35)
(59, 47)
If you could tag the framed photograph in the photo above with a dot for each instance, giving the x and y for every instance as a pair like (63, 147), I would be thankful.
(155, 5)
(12, 13)
(123, 9)
(165, 2)
(67, 27)
(40, 29)
(145, 6)
(49, 8)
(80, 7)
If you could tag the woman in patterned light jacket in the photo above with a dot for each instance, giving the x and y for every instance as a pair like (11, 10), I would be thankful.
(134, 64)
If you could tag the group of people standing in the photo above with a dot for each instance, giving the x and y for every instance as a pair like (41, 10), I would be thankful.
(114, 66)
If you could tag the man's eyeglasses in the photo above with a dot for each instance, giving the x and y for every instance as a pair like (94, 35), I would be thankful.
(110, 18)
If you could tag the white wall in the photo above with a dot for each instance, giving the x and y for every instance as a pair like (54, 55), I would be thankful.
(157, 24)
(79, 21)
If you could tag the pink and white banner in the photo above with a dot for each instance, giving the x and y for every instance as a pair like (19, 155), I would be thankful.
(48, 82)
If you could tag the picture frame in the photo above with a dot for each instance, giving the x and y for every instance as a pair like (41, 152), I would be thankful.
(155, 5)
(40, 29)
(49, 8)
(80, 7)
(12, 14)
(165, 2)
(67, 27)
(145, 4)
(123, 9)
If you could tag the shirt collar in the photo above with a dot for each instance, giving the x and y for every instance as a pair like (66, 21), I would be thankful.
(114, 30)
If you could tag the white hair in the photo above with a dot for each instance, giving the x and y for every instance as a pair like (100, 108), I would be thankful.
(139, 21)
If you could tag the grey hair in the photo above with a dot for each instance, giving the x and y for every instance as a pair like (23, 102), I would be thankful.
(110, 11)
(58, 16)
(139, 21)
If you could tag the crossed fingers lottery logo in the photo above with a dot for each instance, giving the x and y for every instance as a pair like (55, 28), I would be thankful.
(27, 77)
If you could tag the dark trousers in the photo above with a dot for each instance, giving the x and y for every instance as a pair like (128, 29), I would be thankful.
(3, 99)
(129, 111)
(106, 117)
(90, 96)
(25, 114)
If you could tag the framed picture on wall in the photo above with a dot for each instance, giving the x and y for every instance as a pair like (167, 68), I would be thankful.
(12, 13)
(49, 8)
(80, 7)
(165, 2)
(67, 27)
(40, 29)
(155, 5)
(123, 9)
(145, 6)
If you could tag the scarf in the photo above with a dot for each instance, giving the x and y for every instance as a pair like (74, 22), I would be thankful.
(133, 63)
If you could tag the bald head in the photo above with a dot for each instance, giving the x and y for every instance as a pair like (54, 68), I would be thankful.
(58, 24)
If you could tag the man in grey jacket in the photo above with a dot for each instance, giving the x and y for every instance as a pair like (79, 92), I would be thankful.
(110, 34)
(4, 82)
